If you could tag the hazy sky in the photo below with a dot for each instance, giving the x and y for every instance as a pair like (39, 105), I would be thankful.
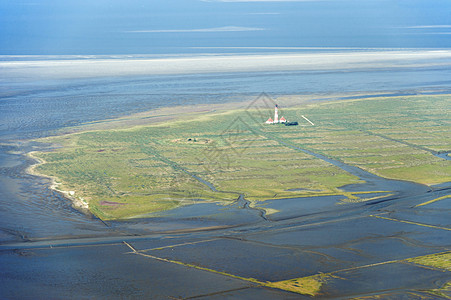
(195, 26)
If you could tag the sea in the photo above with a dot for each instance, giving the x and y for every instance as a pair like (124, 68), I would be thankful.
(50, 79)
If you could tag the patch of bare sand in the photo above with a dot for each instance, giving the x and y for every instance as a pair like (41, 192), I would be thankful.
(77, 202)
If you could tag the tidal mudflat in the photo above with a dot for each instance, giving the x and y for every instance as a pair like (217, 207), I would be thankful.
(340, 222)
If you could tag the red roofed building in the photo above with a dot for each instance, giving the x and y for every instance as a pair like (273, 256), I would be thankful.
(276, 117)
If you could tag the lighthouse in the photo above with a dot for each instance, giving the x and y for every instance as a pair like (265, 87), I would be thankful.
(276, 117)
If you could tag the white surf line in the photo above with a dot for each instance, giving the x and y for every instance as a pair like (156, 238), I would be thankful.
(308, 120)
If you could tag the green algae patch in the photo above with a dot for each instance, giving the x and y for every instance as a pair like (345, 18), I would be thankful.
(433, 200)
(359, 197)
(439, 260)
(310, 285)
(443, 292)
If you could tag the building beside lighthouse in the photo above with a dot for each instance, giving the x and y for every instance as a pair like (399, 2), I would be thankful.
(269, 121)
(276, 117)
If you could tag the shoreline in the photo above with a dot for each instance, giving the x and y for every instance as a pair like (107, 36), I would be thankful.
(77, 203)
(205, 64)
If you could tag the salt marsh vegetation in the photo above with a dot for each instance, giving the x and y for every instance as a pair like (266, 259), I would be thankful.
(218, 155)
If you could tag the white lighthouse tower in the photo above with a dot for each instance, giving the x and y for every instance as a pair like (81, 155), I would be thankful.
(276, 117)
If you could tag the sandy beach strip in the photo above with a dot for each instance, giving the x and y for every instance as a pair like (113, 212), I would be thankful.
(104, 67)
(77, 202)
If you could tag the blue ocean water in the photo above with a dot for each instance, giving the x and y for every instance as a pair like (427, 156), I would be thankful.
(218, 26)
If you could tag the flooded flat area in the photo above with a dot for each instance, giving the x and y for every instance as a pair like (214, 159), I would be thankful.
(96, 272)
(211, 250)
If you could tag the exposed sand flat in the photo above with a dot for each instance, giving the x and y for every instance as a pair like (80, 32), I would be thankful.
(349, 60)
(77, 202)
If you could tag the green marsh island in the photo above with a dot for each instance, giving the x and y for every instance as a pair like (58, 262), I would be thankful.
(218, 155)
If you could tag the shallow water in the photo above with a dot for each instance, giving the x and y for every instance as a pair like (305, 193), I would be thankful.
(37, 108)
(30, 209)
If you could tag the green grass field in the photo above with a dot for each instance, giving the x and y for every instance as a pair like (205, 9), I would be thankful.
(129, 172)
